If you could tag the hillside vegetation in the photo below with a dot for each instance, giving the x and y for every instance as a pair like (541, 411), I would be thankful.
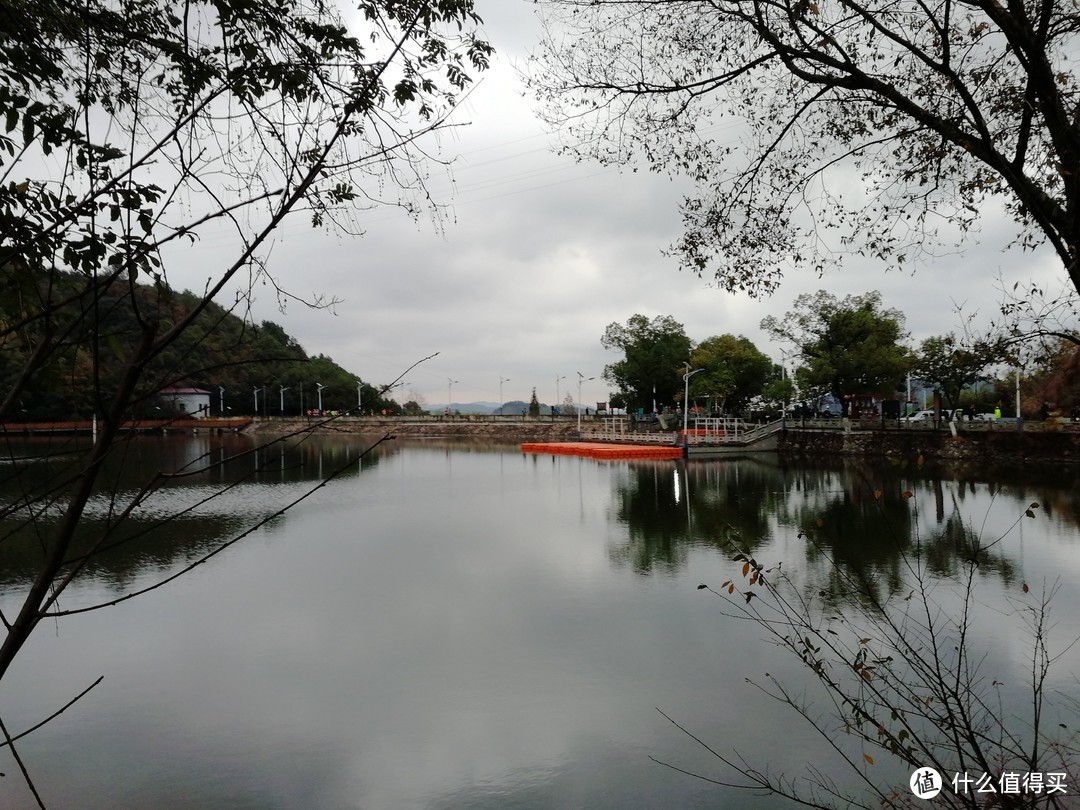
(93, 334)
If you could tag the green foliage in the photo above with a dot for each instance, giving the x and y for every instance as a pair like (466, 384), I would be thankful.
(849, 346)
(129, 105)
(218, 350)
(945, 363)
(736, 371)
(779, 391)
(534, 405)
(653, 356)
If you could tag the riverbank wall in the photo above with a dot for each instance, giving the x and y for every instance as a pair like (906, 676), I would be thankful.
(463, 427)
(1034, 443)
(991, 446)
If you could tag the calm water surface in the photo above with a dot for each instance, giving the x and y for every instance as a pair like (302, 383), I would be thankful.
(463, 626)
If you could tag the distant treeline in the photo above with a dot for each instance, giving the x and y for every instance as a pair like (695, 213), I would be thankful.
(100, 325)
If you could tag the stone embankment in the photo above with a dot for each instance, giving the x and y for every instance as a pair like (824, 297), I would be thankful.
(1035, 443)
(999, 445)
(509, 428)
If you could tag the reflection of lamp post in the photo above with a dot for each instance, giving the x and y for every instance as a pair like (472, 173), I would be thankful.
(320, 386)
(686, 399)
(501, 403)
(557, 402)
(580, 379)
(281, 395)
(221, 400)
(784, 353)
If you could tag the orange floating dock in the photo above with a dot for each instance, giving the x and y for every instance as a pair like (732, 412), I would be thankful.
(602, 450)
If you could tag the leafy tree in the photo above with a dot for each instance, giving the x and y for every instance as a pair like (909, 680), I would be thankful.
(1056, 380)
(945, 363)
(848, 346)
(534, 404)
(653, 356)
(814, 130)
(779, 391)
(736, 371)
(136, 128)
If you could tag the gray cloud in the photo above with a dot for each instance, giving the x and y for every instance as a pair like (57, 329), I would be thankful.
(537, 254)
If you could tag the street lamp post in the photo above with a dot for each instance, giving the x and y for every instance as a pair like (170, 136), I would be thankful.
(686, 400)
(557, 402)
(501, 403)
(359, 400)
(449, 393)
(281, 394)
(221, 399)
(580, 379)
(257, 390)
(320, 387)
(1019, 422)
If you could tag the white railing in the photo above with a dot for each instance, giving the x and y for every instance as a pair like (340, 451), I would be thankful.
(761, 431)
(703, 432)
(630, 437)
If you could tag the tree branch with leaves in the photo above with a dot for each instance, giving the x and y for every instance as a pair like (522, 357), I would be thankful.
(817, 130)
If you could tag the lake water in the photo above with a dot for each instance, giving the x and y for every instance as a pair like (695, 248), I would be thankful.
(456, 625)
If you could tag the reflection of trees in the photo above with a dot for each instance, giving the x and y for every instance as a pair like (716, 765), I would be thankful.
(852, 517)
(206, 490)
(667, 506)
(645, 503)
(867, 534)
(864, 536)
(954, 543)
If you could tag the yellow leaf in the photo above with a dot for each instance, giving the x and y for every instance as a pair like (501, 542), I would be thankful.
(868, 758)
(745, 568)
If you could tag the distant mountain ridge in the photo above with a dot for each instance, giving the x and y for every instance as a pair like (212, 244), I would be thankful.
(512, 408)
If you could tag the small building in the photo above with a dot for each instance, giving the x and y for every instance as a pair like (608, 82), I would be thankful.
(191, 402)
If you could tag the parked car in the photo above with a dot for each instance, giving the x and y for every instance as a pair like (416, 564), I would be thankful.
(919, 416)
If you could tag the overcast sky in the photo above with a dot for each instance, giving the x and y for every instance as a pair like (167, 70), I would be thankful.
(540, 254)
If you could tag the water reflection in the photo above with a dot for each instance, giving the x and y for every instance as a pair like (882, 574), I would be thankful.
(460, 625)
(868, 519)
(163, 502)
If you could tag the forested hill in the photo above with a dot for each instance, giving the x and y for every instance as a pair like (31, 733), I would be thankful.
(101, 327)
